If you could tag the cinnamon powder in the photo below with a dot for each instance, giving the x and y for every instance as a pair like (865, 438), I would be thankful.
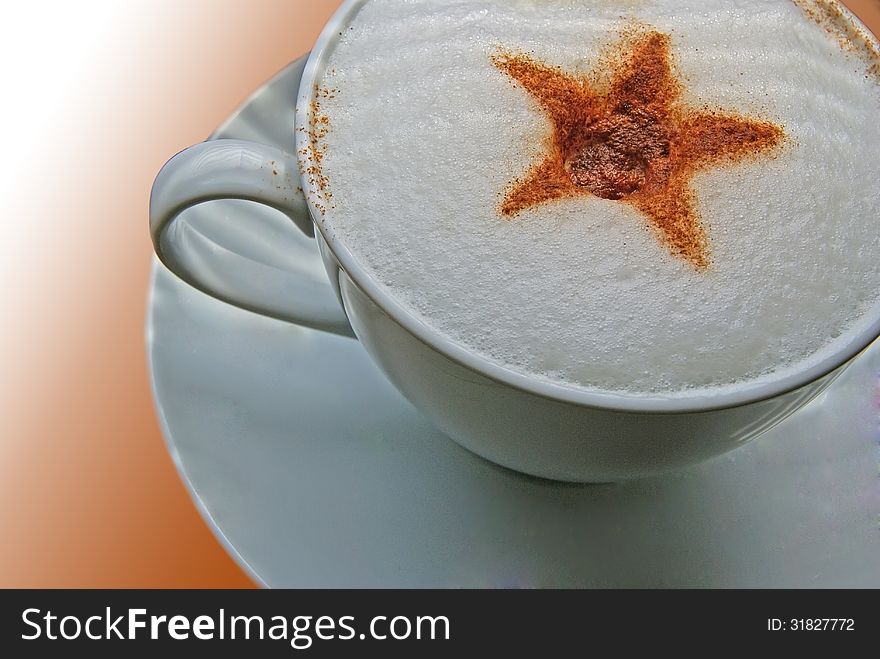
(631, 142)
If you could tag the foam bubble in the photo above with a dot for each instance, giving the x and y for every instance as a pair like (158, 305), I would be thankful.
(426, 135)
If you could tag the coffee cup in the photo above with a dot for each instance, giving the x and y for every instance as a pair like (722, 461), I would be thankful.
(520, 421)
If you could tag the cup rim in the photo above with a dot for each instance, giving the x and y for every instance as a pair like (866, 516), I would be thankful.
(581, 396)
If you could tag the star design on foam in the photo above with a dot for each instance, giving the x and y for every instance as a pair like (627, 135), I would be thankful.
(631, 140)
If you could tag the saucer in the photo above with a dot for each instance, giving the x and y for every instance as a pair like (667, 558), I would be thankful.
(314, 472)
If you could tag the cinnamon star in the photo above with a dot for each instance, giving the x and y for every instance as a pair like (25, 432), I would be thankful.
(634, 142)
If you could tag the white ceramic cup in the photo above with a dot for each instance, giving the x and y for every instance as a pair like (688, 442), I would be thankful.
(523, 423)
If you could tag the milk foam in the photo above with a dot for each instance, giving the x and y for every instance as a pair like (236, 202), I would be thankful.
(426, 135)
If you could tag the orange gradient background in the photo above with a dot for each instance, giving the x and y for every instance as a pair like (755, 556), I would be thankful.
(97, 98)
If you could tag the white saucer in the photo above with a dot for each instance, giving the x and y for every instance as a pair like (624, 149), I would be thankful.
(314, 471)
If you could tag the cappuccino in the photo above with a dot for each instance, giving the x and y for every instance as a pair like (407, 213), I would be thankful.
(652, 197)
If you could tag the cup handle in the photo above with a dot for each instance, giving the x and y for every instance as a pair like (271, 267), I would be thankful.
(237, 169)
